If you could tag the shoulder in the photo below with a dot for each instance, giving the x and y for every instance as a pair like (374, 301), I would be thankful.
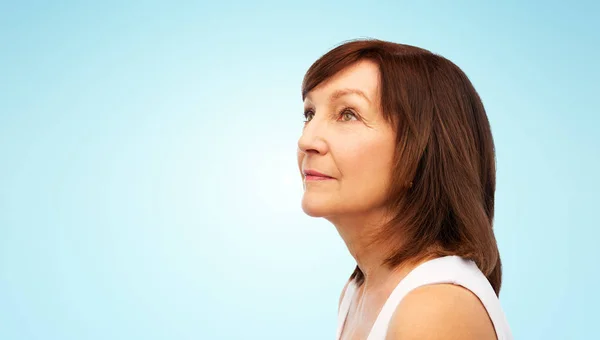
(441, 311)
(343, 293)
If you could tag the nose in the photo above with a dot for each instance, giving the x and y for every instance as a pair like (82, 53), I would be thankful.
(312, 139)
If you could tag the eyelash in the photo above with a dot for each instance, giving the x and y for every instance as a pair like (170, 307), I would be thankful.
(306, 113)
(340, 114)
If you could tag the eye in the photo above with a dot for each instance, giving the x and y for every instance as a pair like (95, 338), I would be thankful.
(348, 115)
(308, 115)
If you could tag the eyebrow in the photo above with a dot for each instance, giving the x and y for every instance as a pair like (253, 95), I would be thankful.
(345, 92)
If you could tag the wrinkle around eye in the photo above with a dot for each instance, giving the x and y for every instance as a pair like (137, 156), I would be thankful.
(351, 112)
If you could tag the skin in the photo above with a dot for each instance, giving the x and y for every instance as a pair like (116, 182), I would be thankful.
(347, 138)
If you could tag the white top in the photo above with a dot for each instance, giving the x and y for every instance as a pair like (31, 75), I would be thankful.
(448, 269)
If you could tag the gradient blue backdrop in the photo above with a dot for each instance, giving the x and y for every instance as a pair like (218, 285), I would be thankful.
(148, 185)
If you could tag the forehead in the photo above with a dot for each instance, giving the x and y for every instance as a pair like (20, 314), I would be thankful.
(362, 76)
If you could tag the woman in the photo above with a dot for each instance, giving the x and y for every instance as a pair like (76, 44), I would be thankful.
(397, 153)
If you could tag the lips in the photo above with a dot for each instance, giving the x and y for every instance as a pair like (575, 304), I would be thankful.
(313, 175)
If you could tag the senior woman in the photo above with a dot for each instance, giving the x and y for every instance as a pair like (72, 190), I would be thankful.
(397, 153)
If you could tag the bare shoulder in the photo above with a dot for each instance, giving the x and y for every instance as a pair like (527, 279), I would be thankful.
(441, 311)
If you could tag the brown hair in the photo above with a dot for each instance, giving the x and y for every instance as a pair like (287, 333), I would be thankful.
(442, 192)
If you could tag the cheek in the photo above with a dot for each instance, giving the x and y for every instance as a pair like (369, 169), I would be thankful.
(371, 154)
(367, 166)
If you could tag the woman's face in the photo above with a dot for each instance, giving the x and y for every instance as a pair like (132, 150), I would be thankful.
(346, 150)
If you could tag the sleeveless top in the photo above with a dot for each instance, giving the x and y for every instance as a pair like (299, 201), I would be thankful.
(447, 269)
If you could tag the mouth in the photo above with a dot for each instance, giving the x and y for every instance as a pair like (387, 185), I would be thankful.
(313, 175)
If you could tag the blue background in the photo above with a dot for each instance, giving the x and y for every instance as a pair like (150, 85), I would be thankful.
(148, 181)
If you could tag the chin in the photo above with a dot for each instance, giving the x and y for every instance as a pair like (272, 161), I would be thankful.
(315, 207)
(313, 210)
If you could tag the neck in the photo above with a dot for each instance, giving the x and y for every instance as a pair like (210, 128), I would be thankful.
(360, 233)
